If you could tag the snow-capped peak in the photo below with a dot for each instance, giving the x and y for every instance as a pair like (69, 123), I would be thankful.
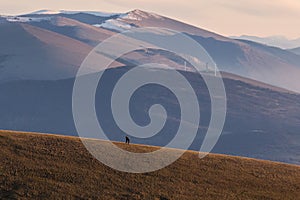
(52, 12)
(139, 15)
(114, 24)
(124, 21)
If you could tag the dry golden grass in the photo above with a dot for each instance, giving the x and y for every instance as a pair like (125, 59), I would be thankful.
(38, 166)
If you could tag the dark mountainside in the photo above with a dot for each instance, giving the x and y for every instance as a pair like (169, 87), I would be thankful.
(256, 124)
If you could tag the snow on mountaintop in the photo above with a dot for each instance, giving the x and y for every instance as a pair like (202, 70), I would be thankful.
(50, 12)
(132, 15)
(115, 21)
(122, 22)
(139, 15)
(114, 24)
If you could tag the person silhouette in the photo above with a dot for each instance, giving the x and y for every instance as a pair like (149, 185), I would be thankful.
(127, 140)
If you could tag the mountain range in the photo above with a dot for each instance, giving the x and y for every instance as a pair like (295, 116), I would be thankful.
(276, 41)
(296, 50)
(76, 33)
(41, 53)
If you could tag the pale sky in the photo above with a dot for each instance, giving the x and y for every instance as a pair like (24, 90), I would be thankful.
(226, 17)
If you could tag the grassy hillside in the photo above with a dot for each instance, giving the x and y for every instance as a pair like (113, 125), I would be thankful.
(38, 166)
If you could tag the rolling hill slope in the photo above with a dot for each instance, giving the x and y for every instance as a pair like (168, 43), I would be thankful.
(28, 52)
(262, 121)
(38, 166)
(85, 33)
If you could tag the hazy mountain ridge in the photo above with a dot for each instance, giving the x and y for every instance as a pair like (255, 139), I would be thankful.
(296, 50)
(256, 124)
(234, 56)
(276, 41)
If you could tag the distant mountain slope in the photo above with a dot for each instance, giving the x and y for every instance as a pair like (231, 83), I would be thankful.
(273, 66)
(255, 61)
(262, 121)
(296, 50)
(37, 166)
(87, 17)
(75, 29)
(144, 19)
(232, 56)
(28, 52)
(44, 51)
(276, 41)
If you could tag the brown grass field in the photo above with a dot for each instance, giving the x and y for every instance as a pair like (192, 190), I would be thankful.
(40, 166)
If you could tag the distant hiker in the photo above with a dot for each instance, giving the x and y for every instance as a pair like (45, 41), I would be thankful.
(127, 140)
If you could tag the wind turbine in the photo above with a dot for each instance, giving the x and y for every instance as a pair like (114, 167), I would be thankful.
(207, 70)
(215, 69)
